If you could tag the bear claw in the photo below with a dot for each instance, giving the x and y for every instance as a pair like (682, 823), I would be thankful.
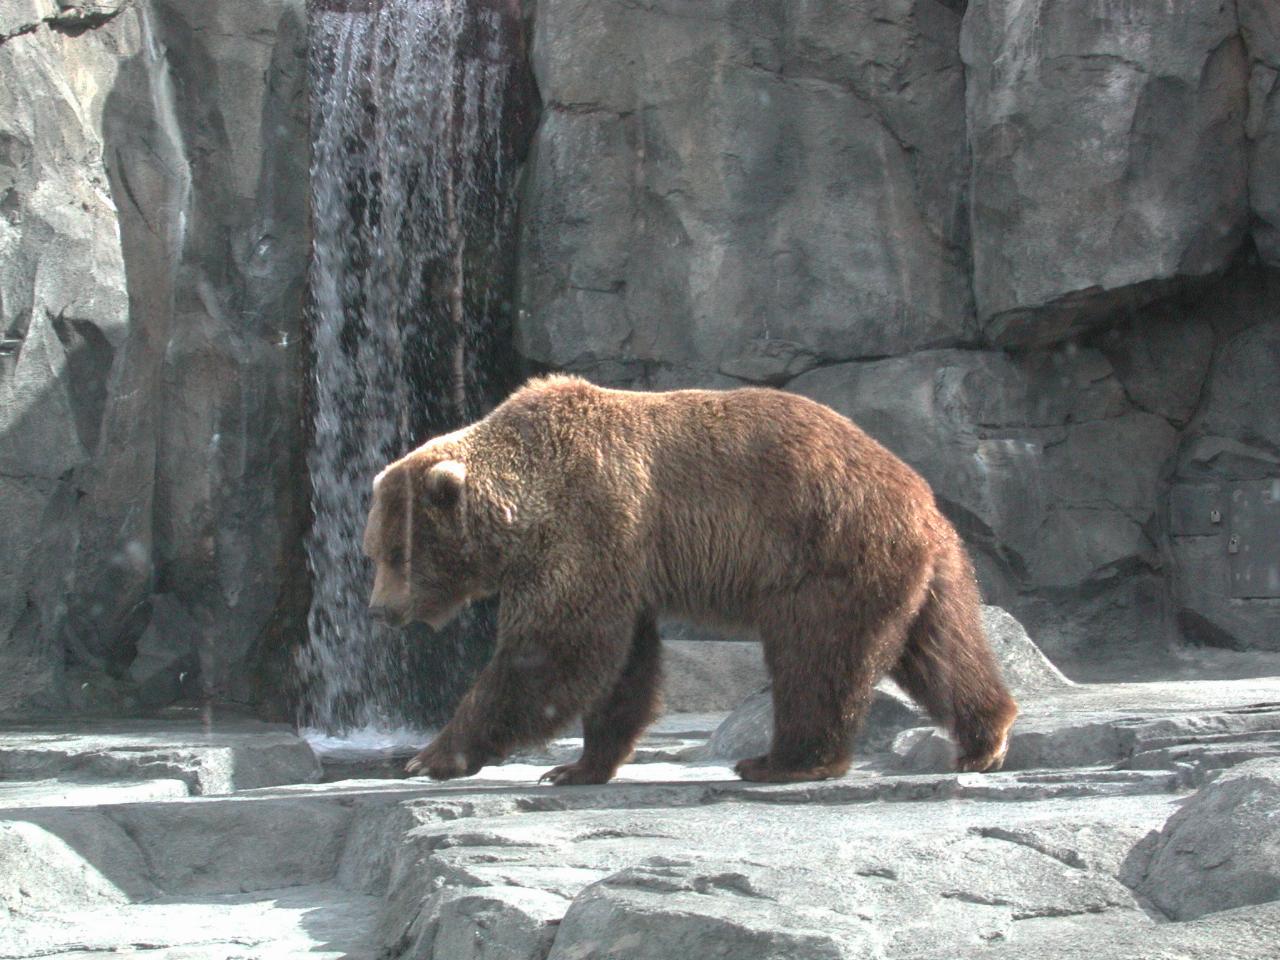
(574, 774)
(440, 765)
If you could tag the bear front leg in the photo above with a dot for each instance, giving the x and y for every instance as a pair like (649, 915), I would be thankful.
(611, 728)
(539, 679)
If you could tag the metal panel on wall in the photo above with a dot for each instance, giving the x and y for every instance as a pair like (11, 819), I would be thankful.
(1253, 544)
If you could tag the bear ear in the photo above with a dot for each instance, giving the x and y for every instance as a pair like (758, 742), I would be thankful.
(445, 482)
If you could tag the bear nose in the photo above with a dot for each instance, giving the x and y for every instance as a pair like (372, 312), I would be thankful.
(381, 613)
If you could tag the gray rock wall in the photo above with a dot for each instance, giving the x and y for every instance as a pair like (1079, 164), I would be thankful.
(1028, 244)
(729, 189)
(152, 255)
(1033, 246)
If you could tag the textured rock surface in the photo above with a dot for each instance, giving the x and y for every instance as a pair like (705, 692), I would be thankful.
(678, 859)
(1192, 728)
(750, 189)
(1024, 453)
(701, 675)
(213, 755)
(1220, 850)
(1026, 670)
(152, 254)
(748, 730)
(1104, 180)
(64, 313)
(1260, 28)
(42, 873)
(1228, 462)
(1109, 155)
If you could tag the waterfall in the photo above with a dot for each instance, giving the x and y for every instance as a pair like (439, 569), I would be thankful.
(415, 121)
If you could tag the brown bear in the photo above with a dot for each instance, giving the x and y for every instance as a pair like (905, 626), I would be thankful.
(591, 512)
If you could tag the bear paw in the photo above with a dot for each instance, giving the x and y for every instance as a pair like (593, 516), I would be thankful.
(760, 770)
(574, 774)
(984, 761)
(441, 764)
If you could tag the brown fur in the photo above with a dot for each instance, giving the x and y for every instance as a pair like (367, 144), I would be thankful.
(591, 512)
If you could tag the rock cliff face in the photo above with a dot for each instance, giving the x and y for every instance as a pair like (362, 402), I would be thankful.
(153, 237)
(1031, 245)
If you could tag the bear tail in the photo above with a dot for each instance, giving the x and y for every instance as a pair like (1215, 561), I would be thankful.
(948, 667)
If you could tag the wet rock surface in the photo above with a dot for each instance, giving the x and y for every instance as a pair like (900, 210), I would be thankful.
(1134, 816)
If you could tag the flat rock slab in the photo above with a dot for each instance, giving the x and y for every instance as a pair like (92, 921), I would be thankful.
(1073, 856)
(864, 865)
(320, 922)
(211, 756)
(774, 872)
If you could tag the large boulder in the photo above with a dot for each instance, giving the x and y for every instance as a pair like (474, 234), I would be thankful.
(1221, 850)
(1026, 670)
(1109, 155)
(743, 189)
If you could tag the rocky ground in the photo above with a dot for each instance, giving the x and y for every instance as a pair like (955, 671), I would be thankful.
(1132, 820)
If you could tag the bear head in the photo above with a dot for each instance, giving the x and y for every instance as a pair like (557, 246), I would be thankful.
(422, 544)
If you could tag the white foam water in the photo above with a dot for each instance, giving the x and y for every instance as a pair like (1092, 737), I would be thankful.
(363, 741)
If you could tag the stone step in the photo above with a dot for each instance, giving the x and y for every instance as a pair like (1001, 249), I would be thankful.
(673, 853)
(211, 755)
(19, 794)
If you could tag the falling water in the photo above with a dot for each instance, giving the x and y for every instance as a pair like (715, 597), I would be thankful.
(411, 186)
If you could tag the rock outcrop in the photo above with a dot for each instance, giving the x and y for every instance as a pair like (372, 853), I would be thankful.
(153, 227)
(1109, 156)
(1220, 850)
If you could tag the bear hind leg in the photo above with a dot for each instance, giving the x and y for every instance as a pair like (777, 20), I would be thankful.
(948, 667)
(612, 727)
